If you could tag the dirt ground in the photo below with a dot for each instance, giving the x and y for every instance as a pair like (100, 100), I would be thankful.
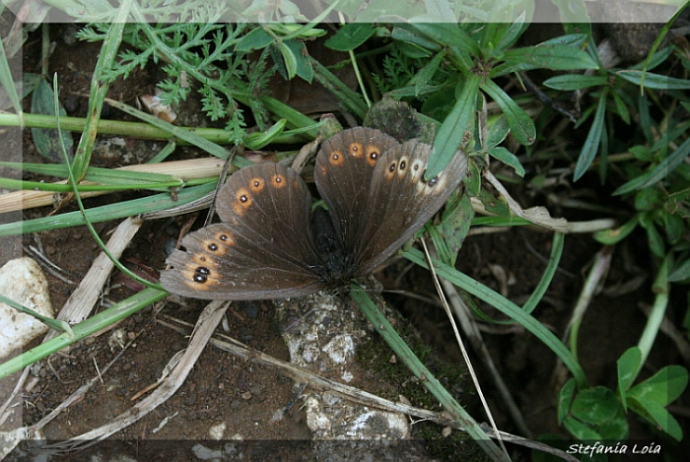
(240, 398)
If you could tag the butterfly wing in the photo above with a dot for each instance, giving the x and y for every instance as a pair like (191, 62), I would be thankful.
(343, 175)
(263, 249)
(395, 203)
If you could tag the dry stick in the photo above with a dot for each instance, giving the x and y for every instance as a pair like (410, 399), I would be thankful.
(540, 215)
(479, 230)
(463, 350)
(167, 370)
(47, 265)
(355, 394)
(206, 325)
(83, 299)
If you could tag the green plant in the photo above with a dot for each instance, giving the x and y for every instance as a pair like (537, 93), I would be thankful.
(217, 57)
(477, 55)
(657, 188)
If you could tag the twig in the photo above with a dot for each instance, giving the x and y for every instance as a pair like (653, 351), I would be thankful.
(48, 265)
(472, 331)
(84, 297)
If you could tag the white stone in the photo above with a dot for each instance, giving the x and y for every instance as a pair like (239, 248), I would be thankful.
(340, 348)
(22, 281)
(216, 432)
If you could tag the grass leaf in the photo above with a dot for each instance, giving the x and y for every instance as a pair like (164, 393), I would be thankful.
(451, 134)
(591, 146)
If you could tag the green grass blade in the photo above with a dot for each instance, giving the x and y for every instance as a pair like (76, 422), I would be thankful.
(351, 99)
(402, 351)
(85, 328)
(177, 132)
(591, 146)
(7, 81)
(508, 308)
(83, 188)
(655, 81)
(520, 123)
(108, 212)
(294, 119)
(462, 46)
(554, 57)
(143, 130)
(572, 82)
(451, 134)
(549, 273)
(56, 324)
(108, 179)
(667, 166)
(106, 58)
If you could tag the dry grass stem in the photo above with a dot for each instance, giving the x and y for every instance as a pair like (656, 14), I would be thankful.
(184, 169)
(82, 301)
(458, 338)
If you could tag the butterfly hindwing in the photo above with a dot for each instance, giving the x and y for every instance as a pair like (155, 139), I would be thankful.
(407, 202)
(378, 202)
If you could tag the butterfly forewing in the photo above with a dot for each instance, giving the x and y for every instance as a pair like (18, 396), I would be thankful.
(343, 173)
(263, 249)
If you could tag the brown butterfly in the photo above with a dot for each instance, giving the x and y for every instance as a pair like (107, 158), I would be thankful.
(270, 244)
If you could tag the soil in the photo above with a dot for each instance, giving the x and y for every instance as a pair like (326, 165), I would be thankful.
(228, 393)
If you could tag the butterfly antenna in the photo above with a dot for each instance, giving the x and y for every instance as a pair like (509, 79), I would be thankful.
(468, 326)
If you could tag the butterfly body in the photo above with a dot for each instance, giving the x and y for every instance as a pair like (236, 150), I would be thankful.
(335, 265)
(271, 245)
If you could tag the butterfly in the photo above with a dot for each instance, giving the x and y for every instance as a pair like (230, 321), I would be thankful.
(272, 243)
